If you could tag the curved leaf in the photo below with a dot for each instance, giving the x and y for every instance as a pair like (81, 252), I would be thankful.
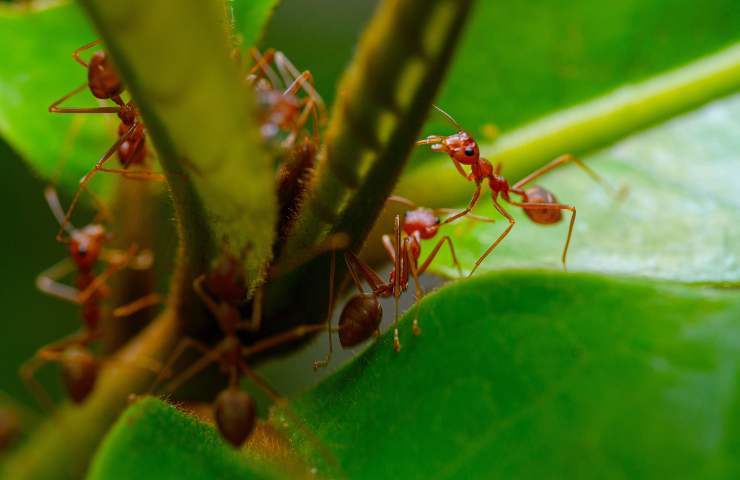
(679, 219)
(150, 440)
(544, 375)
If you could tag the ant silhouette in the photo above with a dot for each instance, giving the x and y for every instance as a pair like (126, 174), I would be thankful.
(277, 96)
(540, 205)
(105, 83)
(361, 315)
(86, 249)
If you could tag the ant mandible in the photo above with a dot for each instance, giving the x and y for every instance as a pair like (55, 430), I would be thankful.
(86, 249)
(282, 109)
(105, 84)
(540, 205)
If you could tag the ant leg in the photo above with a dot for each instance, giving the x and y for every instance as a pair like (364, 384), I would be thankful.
(212, 355)
(419, 290)
(52, 199)
(302, 81)
(76, 53)
(185, 344)
(332, 269)
(558, 162)
(27, 373)
(431, 140)
(142, 261)
(371, 277)
(47, 354)
(147, 175)
(204, 296)
(99, 281)
(434, 252)
(397, 279)
(499, 239)
(332, 243)
(560, 206)
(472, 216)
(262, 63)
(84, 181)
(389, 248)
(468, 209)
(54, 107)
(287, 336)
(137, 305)
(47, 281)
(253, 324)
(403, 201)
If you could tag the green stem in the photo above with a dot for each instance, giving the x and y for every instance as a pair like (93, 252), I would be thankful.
(175, 60)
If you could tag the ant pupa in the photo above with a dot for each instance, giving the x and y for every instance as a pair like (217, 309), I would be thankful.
(86, 250)
(540, 205)
(282, 109)
(105, 83)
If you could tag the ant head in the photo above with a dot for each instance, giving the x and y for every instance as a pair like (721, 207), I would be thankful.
(79, 372)
(461, 147)
(421, 221)
(226, 279)
(102, 77)
(86, 245)
(236, 415)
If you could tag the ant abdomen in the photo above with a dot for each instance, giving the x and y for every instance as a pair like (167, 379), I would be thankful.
(543, 216)
(236, 415)
(102, 77)
(360, 319)
(79, 373)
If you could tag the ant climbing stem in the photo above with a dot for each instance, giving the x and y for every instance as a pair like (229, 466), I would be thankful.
(540, 205)
(104, 83)
(86, 250)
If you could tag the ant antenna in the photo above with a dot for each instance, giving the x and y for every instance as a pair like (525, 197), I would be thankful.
(56, 208)
(448, 117)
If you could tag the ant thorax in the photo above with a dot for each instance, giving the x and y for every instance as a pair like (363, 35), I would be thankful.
(422, 222)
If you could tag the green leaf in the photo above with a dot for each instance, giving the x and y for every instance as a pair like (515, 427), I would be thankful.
(677, 221)
(155, 440)
(36, 72)
(544, 375)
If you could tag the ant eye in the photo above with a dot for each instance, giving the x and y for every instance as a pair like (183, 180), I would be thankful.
(469, 151)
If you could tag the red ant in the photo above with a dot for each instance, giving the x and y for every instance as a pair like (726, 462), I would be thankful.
(282, 109)
(86, 249)
(362, 314)
(540, 205)
(105, 84)
(223, 290)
